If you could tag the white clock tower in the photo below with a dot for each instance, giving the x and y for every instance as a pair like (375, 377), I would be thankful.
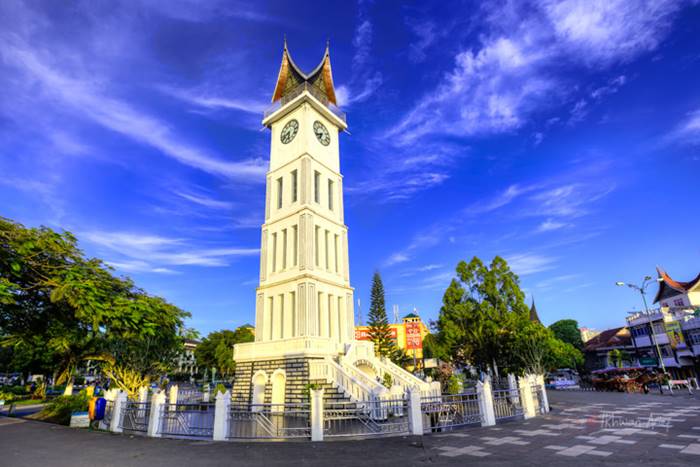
(304, 319)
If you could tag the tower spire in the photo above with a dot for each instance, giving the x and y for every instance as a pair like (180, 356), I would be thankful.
(290, 77)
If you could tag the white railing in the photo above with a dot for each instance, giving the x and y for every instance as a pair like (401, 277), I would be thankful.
(404, 378)
(355, 384)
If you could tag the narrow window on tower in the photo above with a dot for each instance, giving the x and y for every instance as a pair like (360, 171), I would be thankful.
(294, 186)
(326, 251)
(335, 253)
(319, 304)
(271, 322)
(295, 238)
(340, 318)
(274, 252)
(317, 186)
(330, 314)
(293, 317)
(330, 194)
(316, 247)
(279, 193)
(284, 249)
(282, 324)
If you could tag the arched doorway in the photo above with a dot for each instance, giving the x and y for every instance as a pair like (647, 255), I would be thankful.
(279, 382)
(367, 368)
(259, 382)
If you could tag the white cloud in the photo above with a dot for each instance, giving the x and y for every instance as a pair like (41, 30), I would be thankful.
(426, 33)
(566, 201)
(370, 84)
(154, 249)
(556, 280)
(138, 266)
(513, 73)
(84, 98)
(550, 225)
(205, 201)
(209, 101)
(688, 131)
(506, 197)
(604, 31)
(529, 263)
(396, 258)
(364, 81)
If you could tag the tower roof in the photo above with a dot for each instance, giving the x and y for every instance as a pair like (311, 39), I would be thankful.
(533, 313)
(669, 287)
(320, 78)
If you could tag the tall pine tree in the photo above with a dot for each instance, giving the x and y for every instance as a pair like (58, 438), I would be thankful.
(379, 331)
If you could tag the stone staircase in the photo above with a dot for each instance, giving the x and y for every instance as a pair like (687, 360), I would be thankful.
(331, 393)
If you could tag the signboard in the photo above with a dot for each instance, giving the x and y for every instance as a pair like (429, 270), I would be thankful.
(648, 361)
(430, 363)
(414, 338)
(674, 333)
(79, 420)
(362, 334)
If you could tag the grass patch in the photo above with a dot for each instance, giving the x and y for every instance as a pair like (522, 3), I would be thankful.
(60, 409)
(28, 402)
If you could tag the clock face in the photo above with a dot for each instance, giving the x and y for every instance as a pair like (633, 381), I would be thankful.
(289, 131)
(322, 133)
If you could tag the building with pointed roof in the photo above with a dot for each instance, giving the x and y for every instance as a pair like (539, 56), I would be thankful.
(597, 350)
(673, 293)
(533, 313)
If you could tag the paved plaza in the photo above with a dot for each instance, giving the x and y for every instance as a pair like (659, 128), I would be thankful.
(583, 428)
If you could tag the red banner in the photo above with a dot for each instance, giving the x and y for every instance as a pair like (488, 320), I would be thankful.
(414, 338)
(363, 334)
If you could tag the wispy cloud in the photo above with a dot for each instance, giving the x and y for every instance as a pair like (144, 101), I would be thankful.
(556, 281)
(85, 99)
(365, 80)
(687, 131)
(147, 251)
(524, 264)
(396, 258)
(504, 198)
(550, 225)
(206, 201)
(138, 266)
(497, 86)
(426, 32)
(208, 100)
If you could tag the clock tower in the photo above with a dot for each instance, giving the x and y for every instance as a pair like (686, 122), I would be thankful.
(304, 318)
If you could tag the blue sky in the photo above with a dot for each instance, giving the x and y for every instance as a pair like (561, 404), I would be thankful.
(561, 135)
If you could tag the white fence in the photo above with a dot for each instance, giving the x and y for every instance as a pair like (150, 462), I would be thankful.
(393, 414)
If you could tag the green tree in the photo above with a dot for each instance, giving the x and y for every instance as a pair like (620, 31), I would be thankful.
(566, 330)
(379, 331)
(478, 314)
(216, 350)
(485, 322)
(60, 308)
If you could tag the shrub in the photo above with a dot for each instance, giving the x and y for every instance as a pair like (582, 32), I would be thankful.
(454, 385)
(59, 410)
(387, 381)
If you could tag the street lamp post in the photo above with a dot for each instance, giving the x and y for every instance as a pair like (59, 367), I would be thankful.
(642, 291)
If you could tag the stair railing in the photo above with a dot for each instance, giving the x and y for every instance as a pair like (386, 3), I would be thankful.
(403, 377)
(355, 384)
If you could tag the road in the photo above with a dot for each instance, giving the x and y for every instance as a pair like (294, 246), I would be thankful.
(583, 428)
